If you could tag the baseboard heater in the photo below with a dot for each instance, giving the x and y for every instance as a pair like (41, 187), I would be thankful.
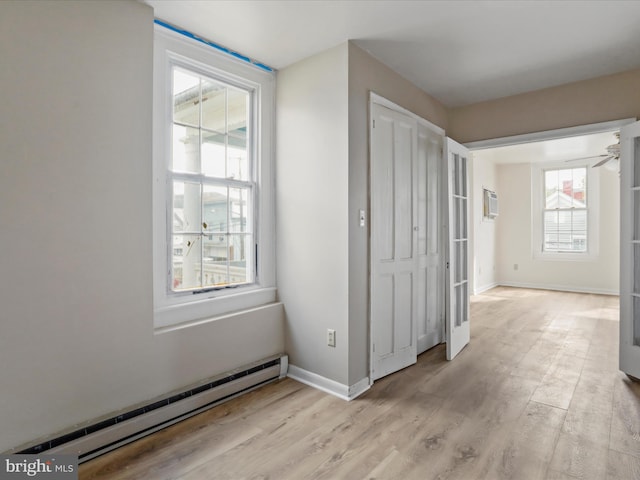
(108, 434)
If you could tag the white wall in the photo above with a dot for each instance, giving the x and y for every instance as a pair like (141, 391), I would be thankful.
(76, 328)
(484, 263)
(514, 238)
(312, 195)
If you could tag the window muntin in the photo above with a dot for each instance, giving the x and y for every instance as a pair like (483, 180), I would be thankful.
(565, 213)
(212, 189)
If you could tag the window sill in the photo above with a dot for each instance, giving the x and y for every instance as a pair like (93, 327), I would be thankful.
(173, 315)
(565, 257)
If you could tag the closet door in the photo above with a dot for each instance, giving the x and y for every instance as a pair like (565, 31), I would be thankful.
(431, 287)
(393, 241)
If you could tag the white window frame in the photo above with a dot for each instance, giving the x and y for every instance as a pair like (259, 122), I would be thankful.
(537, 212)
(179, 308)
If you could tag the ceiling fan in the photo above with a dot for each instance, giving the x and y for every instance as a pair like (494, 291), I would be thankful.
(612, 155)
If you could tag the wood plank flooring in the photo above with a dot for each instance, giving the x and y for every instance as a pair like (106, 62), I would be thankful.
(536, 395)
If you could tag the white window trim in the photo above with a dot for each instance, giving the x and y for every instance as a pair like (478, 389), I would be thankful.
(173, 309)
(593, 213)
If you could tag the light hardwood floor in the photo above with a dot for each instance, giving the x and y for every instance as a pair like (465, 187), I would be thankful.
(536, 395)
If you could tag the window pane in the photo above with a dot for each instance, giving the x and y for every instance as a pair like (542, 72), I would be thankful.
(186, 97)
(565, 188)
(219, 270)
(636, 320)
(186, 149)
(186, 207)
(461, 261)
(186, 262)
(214, 209)
(213, 154)
(460, 302)
(636, 269)
(215, 260)
(565, 230)
(551, 231)
(579, 187)
(636, 214)
(456, 174)
(635, 163)
(551, 189)
(213, 105)
(237, 117)
(238, 251)
(237, 165)
(238, 210)
(579, 231)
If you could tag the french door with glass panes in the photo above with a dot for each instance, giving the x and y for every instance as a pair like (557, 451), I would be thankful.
(630, 250)
(457, 319)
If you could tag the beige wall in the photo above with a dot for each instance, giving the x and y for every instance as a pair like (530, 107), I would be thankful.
(76, 318)
(367, 74)
(312, 174)
(591, 101)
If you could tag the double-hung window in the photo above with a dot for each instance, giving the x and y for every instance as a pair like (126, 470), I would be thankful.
(565, 200)
(565, 210)
(213, 242)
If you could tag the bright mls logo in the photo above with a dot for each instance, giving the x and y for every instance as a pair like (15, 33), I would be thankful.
(50, 467)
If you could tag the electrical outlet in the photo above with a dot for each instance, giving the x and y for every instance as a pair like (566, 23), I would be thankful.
(331, 337)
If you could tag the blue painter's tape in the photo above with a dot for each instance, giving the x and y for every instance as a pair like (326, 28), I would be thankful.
(263, 66)
(188, 34)
(241, 57)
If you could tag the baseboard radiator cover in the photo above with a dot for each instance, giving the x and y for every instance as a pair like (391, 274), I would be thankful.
(97, 438)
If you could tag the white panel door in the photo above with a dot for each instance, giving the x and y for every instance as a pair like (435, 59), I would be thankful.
(457, 318)
(630, 249)
(393, 240)
(430, 315)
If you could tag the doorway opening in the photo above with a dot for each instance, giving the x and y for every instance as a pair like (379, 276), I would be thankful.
(558, 208)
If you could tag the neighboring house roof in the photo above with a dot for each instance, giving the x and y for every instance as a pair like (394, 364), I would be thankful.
(559, 199)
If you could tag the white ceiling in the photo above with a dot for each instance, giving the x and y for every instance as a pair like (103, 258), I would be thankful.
(460, 52)
(558, 150)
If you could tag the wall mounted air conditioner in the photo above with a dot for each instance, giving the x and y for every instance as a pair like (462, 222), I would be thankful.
(490, 204)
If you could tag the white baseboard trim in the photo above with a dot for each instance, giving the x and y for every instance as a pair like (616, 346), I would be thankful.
(484, 288)
(327, 385)
(359, 388)
(560, 288)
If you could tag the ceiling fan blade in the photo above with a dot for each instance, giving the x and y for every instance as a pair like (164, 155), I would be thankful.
(602, 162)
(587, 158)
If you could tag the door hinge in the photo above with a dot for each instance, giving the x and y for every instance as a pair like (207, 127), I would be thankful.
(447, 265)
(374, 123)
(374, 347)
